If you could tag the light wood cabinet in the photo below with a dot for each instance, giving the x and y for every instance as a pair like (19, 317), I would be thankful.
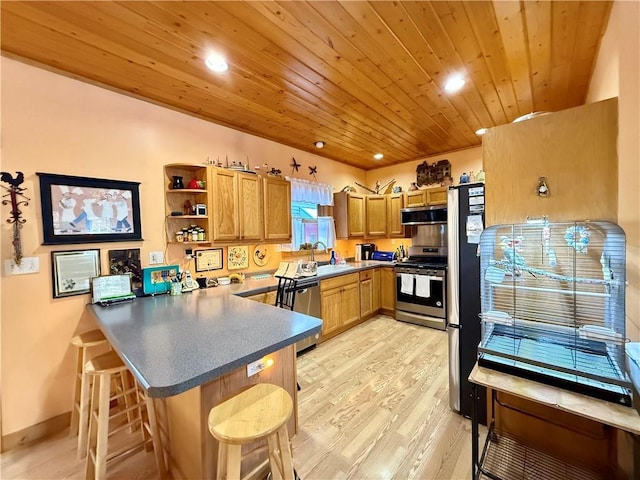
(224, 205)
(417, 198)
(250, 209)
(236, 207)
(388, 290)
(428, 196)
(376, 215)
(277, 209)
(266, 297)
(376, 290)
(366, 293)
(176, 199)
(395, 203)
(437, 196)
(575, 149)
(340, 302)
(349, 214)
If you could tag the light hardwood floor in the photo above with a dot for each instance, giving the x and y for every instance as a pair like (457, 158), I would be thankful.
(374, 405)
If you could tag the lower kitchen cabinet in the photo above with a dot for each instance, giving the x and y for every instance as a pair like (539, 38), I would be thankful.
(340, 302)
(388, 290)
(266, 297)
(376, 290)
(367, 293)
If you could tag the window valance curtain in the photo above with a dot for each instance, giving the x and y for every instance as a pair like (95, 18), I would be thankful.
(311, 192)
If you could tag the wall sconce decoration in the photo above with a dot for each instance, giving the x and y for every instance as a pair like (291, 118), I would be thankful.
(14, 192)
(543, 188)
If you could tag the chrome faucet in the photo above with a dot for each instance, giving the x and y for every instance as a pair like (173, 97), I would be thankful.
(314, 246)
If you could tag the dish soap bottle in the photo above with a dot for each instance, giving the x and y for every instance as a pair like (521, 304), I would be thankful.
(333, 259)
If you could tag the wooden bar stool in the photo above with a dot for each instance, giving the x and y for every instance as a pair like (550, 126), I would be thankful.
(84, 343)
(259, 412)
(137, 410)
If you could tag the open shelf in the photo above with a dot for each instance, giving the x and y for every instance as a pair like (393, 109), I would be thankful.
(504, 457)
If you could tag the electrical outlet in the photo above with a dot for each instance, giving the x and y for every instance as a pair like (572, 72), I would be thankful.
(27, 265)
(155, 258)
(278, 248)
(256, 367)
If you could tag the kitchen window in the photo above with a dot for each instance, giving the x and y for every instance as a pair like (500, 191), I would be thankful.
(307, 226)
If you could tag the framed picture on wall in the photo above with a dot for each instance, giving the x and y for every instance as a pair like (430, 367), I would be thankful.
(88, 210)
(73, 271)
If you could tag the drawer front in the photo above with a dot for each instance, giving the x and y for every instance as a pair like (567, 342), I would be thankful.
(366, 275)
(340, 281)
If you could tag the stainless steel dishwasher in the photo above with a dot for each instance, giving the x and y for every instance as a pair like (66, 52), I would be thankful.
(307, 301)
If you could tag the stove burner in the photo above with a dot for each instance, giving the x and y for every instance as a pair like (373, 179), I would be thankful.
(433, 262)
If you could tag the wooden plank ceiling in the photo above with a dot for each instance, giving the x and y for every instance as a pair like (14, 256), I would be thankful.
(364, 77)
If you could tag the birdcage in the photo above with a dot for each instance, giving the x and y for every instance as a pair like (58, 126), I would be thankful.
(553, 305)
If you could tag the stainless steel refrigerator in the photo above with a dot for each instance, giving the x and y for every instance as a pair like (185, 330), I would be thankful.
(465, 222)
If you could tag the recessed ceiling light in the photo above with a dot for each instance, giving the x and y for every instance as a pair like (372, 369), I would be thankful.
(378, 156)
(319, 144)
(216, 63)
(481, 131)
(454, 84)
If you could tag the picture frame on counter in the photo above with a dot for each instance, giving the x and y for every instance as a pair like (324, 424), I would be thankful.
(73, 270)
(208, 259)
(88, 210)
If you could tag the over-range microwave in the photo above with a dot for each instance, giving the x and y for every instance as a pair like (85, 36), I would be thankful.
(424, 215)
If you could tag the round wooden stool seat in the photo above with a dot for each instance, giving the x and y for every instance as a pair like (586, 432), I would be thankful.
(260, 412)
(84, 342)
(92, 338)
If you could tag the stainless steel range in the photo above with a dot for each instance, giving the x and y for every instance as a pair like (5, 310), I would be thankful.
(421, 287)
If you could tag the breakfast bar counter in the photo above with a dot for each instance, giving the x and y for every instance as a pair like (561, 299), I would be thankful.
(174, 343)
(190, 353)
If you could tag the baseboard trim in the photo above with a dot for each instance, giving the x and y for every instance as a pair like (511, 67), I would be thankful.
(36, 432)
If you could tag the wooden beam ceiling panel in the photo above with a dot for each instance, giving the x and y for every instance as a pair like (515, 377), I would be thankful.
(361, 75)
(513, 30)
(483, 22)
(538, 20)
(394, 16)
(429, 133)
(455, 22)
(346, 118)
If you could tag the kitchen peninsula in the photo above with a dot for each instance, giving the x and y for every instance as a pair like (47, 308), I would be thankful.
(191, 351)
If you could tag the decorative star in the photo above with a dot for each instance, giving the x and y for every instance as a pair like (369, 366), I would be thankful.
(294, 166)
(313, 171)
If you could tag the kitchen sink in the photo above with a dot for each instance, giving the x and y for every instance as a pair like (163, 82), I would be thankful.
(328, 269)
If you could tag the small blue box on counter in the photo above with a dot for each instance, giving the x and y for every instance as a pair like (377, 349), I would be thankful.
(382, 256)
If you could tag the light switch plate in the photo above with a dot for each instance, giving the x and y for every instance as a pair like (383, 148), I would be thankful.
(156, 258)
(27, 265)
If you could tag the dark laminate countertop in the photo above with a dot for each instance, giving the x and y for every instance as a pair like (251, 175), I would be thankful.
(173, 344)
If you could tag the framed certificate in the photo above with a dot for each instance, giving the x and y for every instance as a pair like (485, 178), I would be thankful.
(208, 259)
(73, 270)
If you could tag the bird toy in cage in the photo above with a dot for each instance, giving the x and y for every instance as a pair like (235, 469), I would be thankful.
(578, 238)
(16, 200)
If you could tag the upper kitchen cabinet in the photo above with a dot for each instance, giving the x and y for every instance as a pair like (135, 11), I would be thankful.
(349, 214)
(236, 206)
(376, 215)
(187, 198)
(575, 150)
(428, 196)
(277, 209)
(395, 202)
